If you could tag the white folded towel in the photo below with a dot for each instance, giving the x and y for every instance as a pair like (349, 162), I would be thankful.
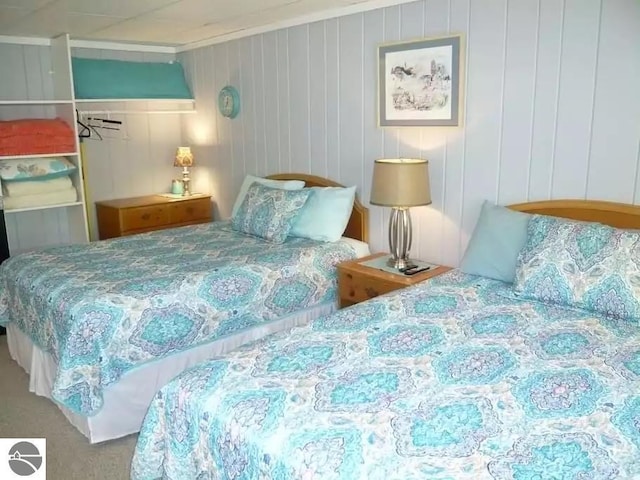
(29, 187)
(68, 195)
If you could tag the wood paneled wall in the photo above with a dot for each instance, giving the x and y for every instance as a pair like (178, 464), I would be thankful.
(551, 108)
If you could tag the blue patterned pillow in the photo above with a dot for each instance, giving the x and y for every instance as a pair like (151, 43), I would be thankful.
(269, 213)
(586, 265)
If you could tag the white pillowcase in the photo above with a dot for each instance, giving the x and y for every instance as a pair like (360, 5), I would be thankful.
(249, 179)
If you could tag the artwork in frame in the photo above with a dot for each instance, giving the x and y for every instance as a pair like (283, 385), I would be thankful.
(419, 83)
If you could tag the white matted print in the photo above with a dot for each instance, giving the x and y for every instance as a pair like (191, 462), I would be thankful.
(419, 83)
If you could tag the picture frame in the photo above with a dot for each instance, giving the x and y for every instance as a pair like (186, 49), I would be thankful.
(419, 83)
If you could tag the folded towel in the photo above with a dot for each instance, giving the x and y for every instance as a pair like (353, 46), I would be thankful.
(51, 127)
(38, 144)
(41, 199)
(36, 135)
(15, 189)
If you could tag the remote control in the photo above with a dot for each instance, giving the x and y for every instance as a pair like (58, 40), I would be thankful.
(408, 267)
(416, 269)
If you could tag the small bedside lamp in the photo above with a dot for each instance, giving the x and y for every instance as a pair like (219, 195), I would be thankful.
(184, 159)
(400, 183)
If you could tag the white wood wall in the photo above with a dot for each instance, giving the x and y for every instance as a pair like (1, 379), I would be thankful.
(552, 108)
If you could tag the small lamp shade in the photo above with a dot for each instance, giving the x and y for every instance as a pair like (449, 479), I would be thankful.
(400, 182)
(184, 157)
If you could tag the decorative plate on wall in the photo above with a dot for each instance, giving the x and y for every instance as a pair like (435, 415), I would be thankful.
(229, 102)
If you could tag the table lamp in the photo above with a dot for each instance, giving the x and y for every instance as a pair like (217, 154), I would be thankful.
(184, 159)
(400, 183)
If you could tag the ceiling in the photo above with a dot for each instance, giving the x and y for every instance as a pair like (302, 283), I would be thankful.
(161, 22)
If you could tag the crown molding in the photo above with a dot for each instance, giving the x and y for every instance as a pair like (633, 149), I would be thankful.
(363, 6)
(25, 40)
(129, 47)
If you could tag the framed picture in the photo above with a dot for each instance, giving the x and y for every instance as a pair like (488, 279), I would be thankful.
(419, 83)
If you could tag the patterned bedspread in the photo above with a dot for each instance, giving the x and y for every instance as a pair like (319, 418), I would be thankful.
(453, 379)
(104, 308)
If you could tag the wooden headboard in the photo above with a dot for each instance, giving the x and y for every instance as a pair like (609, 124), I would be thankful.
(620, 215)
(358, 226)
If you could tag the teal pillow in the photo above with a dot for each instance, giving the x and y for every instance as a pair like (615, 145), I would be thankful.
(496, 242)
(326, 214)
(250, 179)
(268, 212)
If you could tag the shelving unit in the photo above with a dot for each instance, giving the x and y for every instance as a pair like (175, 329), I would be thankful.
(33, 227)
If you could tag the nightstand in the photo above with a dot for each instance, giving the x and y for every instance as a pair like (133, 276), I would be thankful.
(357, 282)
(128, 216)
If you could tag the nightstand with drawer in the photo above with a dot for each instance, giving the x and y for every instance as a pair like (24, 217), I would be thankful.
(358, 282)
(127, 216)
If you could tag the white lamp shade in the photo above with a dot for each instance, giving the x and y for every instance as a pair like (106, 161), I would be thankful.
(184, 157)
(400, 182)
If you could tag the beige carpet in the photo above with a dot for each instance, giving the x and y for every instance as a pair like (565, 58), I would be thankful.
(69, 454)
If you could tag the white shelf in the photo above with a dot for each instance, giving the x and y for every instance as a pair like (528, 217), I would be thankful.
(61, 223)
(37, 155)
(126, 106)
(36, 102)
(114, 100)
(45, 207)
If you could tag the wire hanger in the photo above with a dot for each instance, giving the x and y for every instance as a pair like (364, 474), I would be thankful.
(85, 131)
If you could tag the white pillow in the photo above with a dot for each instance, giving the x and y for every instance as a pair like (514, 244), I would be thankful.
(249, 179)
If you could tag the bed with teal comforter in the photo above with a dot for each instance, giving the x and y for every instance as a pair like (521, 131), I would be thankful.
(105, 308)
(452, 379)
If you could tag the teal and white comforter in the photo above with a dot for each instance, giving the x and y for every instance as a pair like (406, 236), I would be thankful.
(453, 379)
(107, 307)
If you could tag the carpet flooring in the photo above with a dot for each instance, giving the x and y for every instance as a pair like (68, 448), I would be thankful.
(69, 454)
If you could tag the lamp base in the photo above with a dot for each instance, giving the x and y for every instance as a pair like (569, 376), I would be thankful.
(400, 237)
(186, 182)
(399, 263)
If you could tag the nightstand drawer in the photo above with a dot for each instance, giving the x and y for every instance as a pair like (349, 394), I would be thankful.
(144, 217)
(190, 211)
(358, 288)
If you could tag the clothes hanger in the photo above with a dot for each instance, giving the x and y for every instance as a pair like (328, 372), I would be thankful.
(84, 131)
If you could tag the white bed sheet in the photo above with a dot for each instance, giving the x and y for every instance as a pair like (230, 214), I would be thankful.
(361, 248)
(126, 402)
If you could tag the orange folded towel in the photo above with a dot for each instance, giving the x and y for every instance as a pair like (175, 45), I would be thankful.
(53, 127)
(36, 136)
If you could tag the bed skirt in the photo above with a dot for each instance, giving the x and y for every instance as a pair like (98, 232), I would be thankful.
(126, 402)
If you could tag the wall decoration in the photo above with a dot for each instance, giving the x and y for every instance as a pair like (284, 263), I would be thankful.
(229, 102)
(419, 83)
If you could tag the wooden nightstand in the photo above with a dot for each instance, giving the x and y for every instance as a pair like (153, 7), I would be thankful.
(357, 282)
(127, 216)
